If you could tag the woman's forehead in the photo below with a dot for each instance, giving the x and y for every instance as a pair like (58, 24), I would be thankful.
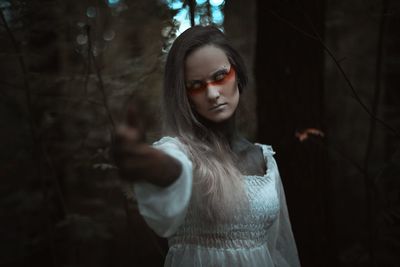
(205, 60)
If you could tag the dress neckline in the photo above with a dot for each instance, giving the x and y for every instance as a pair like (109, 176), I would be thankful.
(267, 153)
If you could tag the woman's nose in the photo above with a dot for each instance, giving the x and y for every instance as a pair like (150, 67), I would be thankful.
(213, 92)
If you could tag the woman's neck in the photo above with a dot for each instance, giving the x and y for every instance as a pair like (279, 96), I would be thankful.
(225, 130)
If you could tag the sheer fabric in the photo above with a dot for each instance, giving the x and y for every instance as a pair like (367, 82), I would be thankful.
(260, 235)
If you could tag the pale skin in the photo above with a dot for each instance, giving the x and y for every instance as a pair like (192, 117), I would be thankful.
(214, 95)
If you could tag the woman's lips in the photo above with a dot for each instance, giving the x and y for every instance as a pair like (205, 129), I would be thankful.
(218, 107)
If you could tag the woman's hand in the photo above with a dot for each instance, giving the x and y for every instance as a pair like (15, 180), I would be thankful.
(138, 161)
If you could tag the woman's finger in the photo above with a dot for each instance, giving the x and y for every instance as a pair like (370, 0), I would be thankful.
(128, 134)
(133, 117)
(124, 142)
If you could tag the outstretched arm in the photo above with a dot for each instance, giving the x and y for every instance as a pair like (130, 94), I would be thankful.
(161, 175)
(138, 161)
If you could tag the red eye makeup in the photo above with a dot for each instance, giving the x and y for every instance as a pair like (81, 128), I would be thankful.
(220, 77)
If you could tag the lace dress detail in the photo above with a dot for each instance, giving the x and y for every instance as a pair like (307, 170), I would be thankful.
(250, 238)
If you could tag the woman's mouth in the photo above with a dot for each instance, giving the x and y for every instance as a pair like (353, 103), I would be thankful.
(218, 107)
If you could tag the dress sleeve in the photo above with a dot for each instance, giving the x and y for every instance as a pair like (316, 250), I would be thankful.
(281, 241)
(164, 208)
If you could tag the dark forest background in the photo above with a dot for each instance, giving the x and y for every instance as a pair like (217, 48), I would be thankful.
(324, 92)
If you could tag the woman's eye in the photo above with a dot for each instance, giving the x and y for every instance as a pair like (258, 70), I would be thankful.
(194, 86)
(220, 76)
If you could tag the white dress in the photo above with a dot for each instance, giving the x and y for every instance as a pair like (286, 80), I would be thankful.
(258, 237)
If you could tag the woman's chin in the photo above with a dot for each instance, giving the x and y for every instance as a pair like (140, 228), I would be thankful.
(219, 118)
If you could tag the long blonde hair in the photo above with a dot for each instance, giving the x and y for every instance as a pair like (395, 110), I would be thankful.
(217, 181)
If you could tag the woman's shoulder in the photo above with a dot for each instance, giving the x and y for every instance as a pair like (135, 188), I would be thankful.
(249, 146)
(266, 149)
(167, 140)
(169, 143)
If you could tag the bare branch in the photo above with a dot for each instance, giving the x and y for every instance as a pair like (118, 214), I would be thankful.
(100, 80)
(317, 38)
(33, 127)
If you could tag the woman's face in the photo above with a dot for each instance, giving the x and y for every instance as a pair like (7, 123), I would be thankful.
(211, 83)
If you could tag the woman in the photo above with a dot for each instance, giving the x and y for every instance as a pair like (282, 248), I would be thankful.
(217, 197)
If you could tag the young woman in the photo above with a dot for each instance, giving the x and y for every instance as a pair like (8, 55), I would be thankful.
(217, 197)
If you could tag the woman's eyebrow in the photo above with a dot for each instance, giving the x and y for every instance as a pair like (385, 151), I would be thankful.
(194, 81)
(220, 70)
(212, 75)
(223, 68)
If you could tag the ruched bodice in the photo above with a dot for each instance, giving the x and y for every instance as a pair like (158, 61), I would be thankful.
(247, 229)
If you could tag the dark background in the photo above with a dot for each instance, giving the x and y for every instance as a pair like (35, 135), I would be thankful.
(69, 69)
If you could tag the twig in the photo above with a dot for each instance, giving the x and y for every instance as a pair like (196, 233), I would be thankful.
(100, 80)
(192, 10)
(24, 72)
(339, 153)
(367, 181)
(371, 133)
(337, 63)
(377, 86)
(36, 139)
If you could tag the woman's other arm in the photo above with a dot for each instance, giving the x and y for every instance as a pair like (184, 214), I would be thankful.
(161, 176)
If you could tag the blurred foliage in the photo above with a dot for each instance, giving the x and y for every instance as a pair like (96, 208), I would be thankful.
(72, 69)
